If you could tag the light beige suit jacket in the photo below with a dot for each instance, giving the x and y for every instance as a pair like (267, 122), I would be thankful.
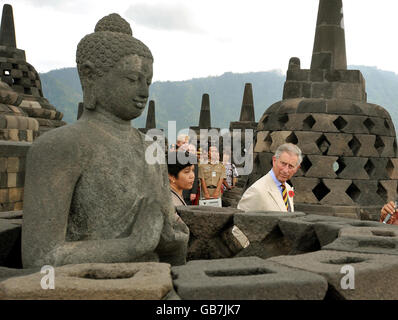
(264, 195)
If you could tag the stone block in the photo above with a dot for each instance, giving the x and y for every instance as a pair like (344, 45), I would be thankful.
(376, 245)
(94, 281)
(324, 123)
(3, 164)
(297, 75)
(388, 190)
(389, 232)
(208, 226)
(344, 107)
(322, 167)
(379, 128)
(207, 222)
(323, 90)
(352, 168)
(317, 75)
(4, 195)
(278, 138)
(292, 89)
(13, 164)
(245, 279)
(264, 141)
(288, 105)
(312, 106)
(365, 192)
(272, 109)
(353, 124)
(380, 272)
(295, 121)
(304, 187)
(15, 194)
(377, 168)
(11, 180)
(337, 194)
(386, 146)
(367, 145)
(256, 225)
(339, 144)
(301, 234)
(307, 141)
(392, 168)
(351, 91)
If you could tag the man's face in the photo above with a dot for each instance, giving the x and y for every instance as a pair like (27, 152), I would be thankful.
(285, 167)
(123, 91)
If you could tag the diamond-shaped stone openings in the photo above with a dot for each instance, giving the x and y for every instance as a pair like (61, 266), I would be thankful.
(292, 138)
(353, 192)
(268, 140)
(386, 125)
(323, 144)
(320, 191)
(354, 145)
(395, 147)
(379, 145)
(340, 123)
(369, 167)
(390, 168)
(339, 166)
(369, 124)
(308, 122)
(283, 119)
(382, 192)
(306, 164)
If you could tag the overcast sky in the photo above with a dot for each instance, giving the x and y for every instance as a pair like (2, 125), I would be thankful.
(199, 38)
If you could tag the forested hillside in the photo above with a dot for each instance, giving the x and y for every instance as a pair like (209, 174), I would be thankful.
(180, 100)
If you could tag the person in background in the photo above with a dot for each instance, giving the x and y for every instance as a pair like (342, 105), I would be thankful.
(182, 139)
(389, 208)
(231, 174)
(181, 175)
(211, 175)
(191, 194)
(272, 192)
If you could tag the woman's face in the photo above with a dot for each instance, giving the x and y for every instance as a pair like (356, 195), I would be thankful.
(185, 178)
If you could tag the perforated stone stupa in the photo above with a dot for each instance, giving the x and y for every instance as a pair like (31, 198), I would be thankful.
(350, 147)
(23, 78)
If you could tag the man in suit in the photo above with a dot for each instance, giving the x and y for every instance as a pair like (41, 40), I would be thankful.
(272, 192)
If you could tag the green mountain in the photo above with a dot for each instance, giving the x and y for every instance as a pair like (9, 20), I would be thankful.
(180, 100)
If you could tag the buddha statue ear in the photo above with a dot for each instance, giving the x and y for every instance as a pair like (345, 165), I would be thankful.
(87, 72)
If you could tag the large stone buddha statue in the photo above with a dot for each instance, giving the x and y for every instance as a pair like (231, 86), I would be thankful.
(90, 194)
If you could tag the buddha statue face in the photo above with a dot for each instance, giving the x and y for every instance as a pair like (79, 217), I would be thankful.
(123, 91)
(115, 69)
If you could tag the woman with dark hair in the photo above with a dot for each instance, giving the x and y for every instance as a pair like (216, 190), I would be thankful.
(181, 167)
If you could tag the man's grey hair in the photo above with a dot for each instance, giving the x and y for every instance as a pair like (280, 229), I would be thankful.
(289, 148)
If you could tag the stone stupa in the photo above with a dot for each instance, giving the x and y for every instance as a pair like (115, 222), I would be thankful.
(349, 145)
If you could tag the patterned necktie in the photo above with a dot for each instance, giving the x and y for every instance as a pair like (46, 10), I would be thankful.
(284, 195)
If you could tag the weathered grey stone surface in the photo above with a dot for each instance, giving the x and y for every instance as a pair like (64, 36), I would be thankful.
(263, 232)
(376, 276)
(245, 279)
(256, 225)
(363, 244)
(210, 231)
(93, 281)
(91, 195)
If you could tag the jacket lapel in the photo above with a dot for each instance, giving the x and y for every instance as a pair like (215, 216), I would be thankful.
(275, 193)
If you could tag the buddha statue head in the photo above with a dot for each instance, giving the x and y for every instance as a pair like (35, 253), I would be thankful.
(115, 69)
